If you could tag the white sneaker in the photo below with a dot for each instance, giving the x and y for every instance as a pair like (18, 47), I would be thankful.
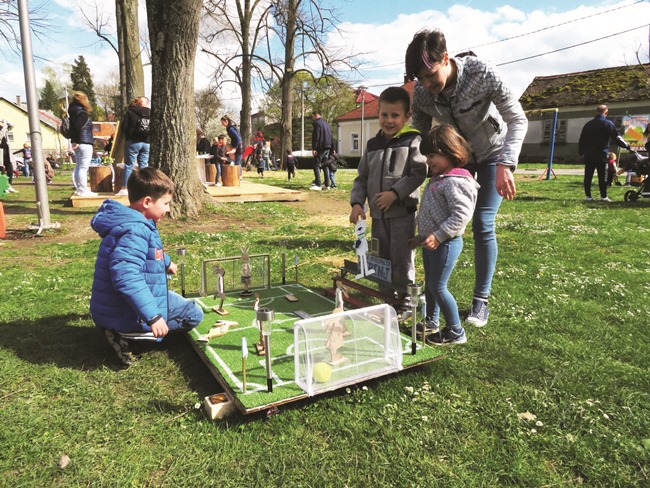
(86, 193)
(589, 199)
(11, 189)
(605, 199)
(122, 193)
(315, 188)
(218, 184)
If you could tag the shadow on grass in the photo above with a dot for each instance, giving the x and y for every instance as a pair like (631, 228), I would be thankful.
(61, 341)
(58, 340)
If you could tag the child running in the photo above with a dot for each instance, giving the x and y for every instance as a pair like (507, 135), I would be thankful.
(447, 206)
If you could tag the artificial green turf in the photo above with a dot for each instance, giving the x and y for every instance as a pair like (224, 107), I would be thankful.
(224, 353)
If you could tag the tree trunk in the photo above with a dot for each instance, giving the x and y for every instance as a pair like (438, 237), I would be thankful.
(287, 81)
(245, 114)
(132, 58)
(119, 21)
(173, 31)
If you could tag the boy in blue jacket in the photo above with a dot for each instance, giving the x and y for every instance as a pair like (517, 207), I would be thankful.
(129, 293)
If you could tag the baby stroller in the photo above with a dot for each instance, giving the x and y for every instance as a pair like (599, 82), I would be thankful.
(642, 169)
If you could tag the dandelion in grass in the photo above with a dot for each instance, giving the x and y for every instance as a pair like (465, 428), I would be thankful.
(539, 423)
(425, 418)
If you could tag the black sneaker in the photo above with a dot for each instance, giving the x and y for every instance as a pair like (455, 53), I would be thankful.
(479, 313)
(430, 327)
(446, 337)
(120, 346)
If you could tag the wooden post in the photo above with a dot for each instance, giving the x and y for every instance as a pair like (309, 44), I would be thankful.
(210, 173)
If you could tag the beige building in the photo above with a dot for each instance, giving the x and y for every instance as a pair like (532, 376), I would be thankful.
(358, 126)
(16, 114)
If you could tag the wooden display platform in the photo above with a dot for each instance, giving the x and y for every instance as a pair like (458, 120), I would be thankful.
(223, 354)
(249, 191)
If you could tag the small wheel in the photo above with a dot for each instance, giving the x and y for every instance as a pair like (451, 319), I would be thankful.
(631, 196)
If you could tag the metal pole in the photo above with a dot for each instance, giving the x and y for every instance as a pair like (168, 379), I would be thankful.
(302, 118)
(363, 108)
(552, 153)
(42, 202)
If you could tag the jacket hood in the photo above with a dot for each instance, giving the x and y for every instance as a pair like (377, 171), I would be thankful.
(113, 214)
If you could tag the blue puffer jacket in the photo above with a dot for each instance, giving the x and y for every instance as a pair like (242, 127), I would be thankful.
(130, 282)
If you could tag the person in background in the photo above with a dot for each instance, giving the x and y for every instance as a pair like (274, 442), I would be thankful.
(469, 94)
(322, 142)
(290, 163)
(612, 169)
(202, 143)
(136, 127)
(219, 158)
(81, 125)
(26, 153)
(593, 145)
(235, 140)
(7, 156)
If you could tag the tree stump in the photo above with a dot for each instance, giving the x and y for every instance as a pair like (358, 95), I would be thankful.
(230, 175)
(101, 179)
(210, 173)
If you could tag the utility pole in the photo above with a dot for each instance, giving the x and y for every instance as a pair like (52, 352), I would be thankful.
(363, 107)
(42, 203)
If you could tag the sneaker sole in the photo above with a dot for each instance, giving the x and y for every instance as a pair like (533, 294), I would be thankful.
(450, 343)
(475, 322)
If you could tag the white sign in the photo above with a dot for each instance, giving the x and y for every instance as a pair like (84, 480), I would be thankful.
(382, 267)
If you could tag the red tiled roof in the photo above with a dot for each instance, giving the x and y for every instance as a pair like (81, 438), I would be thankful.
(371, 109)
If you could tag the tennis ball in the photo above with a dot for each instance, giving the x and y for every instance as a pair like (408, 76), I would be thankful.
(322, 372)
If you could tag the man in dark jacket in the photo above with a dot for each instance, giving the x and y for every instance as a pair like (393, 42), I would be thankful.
(595, 138)
(322, 142)
(135, 126)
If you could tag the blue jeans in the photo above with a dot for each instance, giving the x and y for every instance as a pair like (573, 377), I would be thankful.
(438, 266)
(483, 227)
(183, 314)
(237, 162)
(83, 153)
(26, 172)
(134, 150)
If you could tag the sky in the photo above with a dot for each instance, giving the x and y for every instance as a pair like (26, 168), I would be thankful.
(523, 41)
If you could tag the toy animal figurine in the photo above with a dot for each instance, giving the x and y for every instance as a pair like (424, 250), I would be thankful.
(246, 272)
(219, 291)
(339, 304)
(361, 247)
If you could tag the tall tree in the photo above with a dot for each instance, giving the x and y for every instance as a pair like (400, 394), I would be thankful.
(126, 13)
(174, 30)
(124, 39)
(207, 108)
(10, 31)
(109, 98)
(246, 26)
(302, 26)
(49, 99)
(82, 80)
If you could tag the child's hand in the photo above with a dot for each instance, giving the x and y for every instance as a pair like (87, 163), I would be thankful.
(385, 199)
(430, 242)
(357, 211)
(159, 328)
(172, 269)
(414, 242)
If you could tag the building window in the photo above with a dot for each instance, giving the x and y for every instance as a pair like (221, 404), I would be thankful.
(354, 141)
(10, 136)
(560, 131)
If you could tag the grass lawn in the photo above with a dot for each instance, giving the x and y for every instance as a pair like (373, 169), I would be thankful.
(554, 391)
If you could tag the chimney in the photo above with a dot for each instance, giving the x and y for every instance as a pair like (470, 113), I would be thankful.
(18, 100)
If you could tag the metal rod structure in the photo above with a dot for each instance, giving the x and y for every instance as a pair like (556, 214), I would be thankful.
(414, 292)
